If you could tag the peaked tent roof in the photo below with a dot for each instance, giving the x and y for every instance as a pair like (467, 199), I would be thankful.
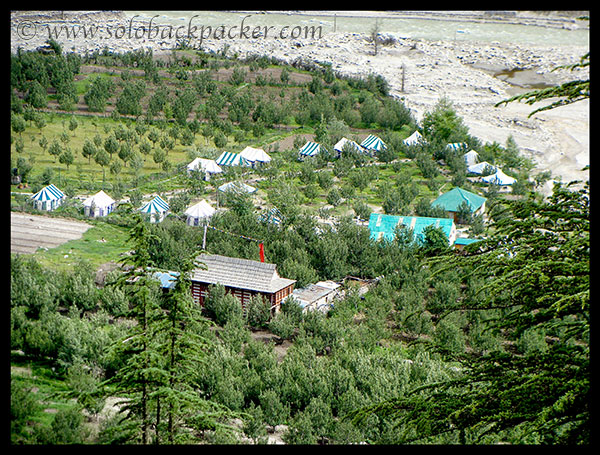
(499, 178)
(231, 159)
(272, 216)
(100, 199)
(372, 142)
(205, 164)
(471, 157)
(414, 138)
(240, 273)
(252, 154)
(451, 200)
(200, 210)
(48, 193)
(457, 146)
(237, 186)
(310, 149)
(381, 225)
(156, 205)
(480, 167)
(339, 146)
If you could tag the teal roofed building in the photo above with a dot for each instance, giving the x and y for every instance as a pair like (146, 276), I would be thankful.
(452, 200)
(383, 226)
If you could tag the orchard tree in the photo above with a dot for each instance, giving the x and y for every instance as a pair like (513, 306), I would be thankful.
(66, 158)
(88, 150)
(102, 159)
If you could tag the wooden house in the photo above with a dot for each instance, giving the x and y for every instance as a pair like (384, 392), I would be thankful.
(243, 278)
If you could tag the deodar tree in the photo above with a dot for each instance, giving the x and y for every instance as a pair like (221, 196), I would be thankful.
(536, 281)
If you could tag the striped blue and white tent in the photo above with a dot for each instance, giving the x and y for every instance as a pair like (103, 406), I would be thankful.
(310, 149)
(457, 146)
(156, 209)
(48, 198)
(231, 159)
(374, 143)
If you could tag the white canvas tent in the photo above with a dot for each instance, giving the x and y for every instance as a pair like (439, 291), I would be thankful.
(339, 146)
(240, 187)
(413, 139)
(100, 204)
(499, 178)
(480, 167)
(209, 167)
(253, 155)
(199, 213)
(471, 157)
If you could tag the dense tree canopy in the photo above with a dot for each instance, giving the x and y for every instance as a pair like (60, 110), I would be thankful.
(536, 294)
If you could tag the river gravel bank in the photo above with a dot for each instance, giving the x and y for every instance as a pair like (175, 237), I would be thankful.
(418, 71)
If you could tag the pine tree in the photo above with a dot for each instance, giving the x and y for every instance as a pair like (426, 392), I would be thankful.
(185, 347)
(141, 372)
(536, 275)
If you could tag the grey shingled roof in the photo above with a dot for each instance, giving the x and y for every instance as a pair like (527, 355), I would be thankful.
(239, 273)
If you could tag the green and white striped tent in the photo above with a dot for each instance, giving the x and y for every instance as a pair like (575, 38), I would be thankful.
(231, 159)
(48, 198)
(372, 142)
(272, 216)
(157, 209)
(310, 149)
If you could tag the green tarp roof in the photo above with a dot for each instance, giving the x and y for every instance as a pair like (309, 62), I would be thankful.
(383, 226)
(451, 200)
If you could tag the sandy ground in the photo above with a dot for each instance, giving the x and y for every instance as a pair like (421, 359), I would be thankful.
(557, 140)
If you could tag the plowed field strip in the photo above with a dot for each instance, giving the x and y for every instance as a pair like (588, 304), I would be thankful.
(29, 232)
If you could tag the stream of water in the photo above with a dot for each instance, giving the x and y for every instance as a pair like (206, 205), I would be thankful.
(409, 28)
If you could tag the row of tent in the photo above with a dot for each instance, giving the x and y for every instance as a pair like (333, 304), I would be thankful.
(472, 160)
(370, 144)
(249, 157)
(475, 167)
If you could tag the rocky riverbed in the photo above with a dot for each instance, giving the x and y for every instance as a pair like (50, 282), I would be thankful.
(418, 71)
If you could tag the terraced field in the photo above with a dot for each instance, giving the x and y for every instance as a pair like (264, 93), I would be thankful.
(30, 232)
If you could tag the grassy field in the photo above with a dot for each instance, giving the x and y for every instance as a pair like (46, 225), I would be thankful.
(100, 244)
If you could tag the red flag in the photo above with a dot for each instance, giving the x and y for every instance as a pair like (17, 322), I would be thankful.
(262, 252)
